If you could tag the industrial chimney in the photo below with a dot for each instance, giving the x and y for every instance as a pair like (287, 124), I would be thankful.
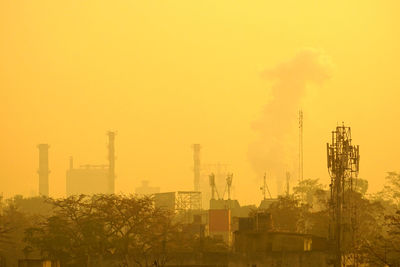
(43, 169)
(196, 169)
(111, 160)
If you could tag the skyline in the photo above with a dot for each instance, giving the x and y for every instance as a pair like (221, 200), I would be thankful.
(171, 74)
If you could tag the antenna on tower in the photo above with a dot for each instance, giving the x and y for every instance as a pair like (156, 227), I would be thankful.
(343, 166)
(229, 179)
(300, 145)
(212, 185)
(264, 188)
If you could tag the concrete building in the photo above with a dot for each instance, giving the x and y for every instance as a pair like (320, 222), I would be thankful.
(87, 180)
(165, 200)
(257, 243)
(219, 225)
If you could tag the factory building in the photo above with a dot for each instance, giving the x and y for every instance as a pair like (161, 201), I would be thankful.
(93, 179)
(87, 180)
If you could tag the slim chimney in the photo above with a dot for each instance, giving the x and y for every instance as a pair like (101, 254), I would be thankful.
(43, 169)
(71, 163)
(111, 160)
(196, 169)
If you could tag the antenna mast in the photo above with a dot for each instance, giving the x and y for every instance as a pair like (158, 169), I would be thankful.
(229, 179)
(264, 188)
(300, 145)
(213, 186)
(343, 165)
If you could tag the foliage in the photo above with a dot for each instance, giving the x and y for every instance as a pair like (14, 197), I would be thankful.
(391, 190)
(92, 230)
(13, 223)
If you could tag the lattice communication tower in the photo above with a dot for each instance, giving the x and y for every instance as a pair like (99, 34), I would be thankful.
(343, 165)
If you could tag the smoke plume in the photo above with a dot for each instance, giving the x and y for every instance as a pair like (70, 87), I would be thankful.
(276, 147)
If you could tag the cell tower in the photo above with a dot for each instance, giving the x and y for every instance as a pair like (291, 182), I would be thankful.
(213, 186)
(196, 164)
(343, 165)
(300, 145)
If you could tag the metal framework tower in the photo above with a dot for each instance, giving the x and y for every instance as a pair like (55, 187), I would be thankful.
(43, 169)
(300, 145)
(111, 160)
(265, 188)
(343, 165)
(188, 200)
(213, 186)
(196, 164)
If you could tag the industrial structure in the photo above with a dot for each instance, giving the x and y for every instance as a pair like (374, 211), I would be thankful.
(266, 202)
(301, 161)
(196, 166)
(180, 201)
(87, 180)
(43, 169)
(343, 165)
(185, 204)
(93, 179)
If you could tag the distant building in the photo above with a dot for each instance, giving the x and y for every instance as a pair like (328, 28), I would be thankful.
(87, 180)
(266, 203)
(145, 189)
(257, 243)
(93, 179)
(220, 225)
(165, 201)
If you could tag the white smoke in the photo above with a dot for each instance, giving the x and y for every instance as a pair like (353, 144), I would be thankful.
(275, 150)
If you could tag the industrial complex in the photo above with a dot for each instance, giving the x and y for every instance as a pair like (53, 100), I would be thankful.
(248, 231)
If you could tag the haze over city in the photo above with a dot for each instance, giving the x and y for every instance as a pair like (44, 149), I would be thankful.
(230, 76)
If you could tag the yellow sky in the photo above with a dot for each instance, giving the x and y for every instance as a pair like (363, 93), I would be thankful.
(166, 74)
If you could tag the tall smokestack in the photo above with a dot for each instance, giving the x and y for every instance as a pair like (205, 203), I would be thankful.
(111, 160)
(43, 169)
(71, 163)
(196, 169)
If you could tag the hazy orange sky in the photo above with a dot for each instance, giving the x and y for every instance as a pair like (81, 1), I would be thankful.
(167, 74)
